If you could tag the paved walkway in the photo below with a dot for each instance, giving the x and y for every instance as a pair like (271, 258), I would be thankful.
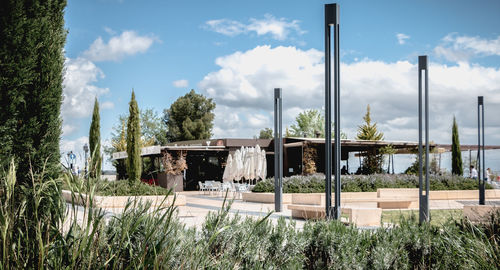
(199, 205)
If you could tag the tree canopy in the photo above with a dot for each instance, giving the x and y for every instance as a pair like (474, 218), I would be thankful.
(310, 124)
(190, 117)
(266, 133)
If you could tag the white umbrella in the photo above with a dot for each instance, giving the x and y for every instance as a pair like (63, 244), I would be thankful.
(246, 164)
(251, 169)
(226, 177)
(257, 162)
(263, 171)
(236, 172)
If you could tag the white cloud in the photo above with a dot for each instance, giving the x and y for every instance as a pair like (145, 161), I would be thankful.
(181, 83)
(226, 27)
(126, 44)
(109, 31)
(279, 29)
(107, 105)
(79, 89)
(68, 129)
(243, 89)
(402, 38)
(458, 48)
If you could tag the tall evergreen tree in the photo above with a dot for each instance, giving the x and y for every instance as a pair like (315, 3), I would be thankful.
(190, 118)
(456, 154)
(372, 163)
(31, 73)
(95, 143)
(369, 131)
(134, 164)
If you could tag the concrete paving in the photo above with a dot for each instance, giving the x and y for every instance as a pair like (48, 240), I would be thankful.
(198, 205)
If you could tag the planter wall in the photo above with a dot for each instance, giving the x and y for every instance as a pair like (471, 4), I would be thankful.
(264, 197)
(174, 182)
(121, 201)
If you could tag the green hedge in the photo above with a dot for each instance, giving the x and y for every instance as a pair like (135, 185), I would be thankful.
(366, 183)
(115, 188)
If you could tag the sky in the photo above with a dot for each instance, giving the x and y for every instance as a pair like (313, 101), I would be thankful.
(237, 52)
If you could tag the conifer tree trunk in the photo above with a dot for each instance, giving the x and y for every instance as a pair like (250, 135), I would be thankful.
(95, 143)
(456, 154)
(134, 164)
(32, 38)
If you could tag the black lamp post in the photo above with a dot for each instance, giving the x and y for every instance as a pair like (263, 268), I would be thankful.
(480, 148)
(278, 151)
(86, 150)
(332, 12)
(423, 197)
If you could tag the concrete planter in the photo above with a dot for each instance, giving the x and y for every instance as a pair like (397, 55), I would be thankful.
(121, 201)
(264, 197)
(174, 182)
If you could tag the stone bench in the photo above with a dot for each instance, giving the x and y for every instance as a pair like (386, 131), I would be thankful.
(384, 203)
(358, 216)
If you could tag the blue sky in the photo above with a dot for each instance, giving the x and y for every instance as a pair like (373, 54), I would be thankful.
(236, 52)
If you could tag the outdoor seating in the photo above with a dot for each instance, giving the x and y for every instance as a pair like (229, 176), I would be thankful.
(202, 186)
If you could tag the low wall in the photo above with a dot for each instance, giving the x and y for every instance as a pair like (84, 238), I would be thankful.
(265, 197)
(319, 198)
(350, 198)
(121, 201)
(412, 193)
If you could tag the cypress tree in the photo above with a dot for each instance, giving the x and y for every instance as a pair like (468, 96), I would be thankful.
(95, 143)
(456, 154)
(134, 164)
(31, 74)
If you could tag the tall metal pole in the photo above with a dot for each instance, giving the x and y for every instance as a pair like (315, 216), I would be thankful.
(423, 198)
(331, 19)
(480, 159)
(337, 146)
(278, 155)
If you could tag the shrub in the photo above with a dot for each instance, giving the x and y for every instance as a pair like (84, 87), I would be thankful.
(115, 188)
(366, 183)
(146, 237)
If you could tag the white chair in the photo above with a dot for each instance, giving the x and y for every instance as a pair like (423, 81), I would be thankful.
(227, 187)
(209, 186)
(217, 186)
(202, 187)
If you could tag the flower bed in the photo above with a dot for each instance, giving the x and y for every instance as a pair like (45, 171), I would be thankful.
(366, 183)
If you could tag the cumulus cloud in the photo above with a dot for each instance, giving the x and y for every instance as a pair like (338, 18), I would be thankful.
(402, 38)
(79, 89)
(458, 48)
(243, 89)
(279, 29)
(126, 44)
(181, 83)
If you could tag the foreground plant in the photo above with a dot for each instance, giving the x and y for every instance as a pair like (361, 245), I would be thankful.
(37, 230)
